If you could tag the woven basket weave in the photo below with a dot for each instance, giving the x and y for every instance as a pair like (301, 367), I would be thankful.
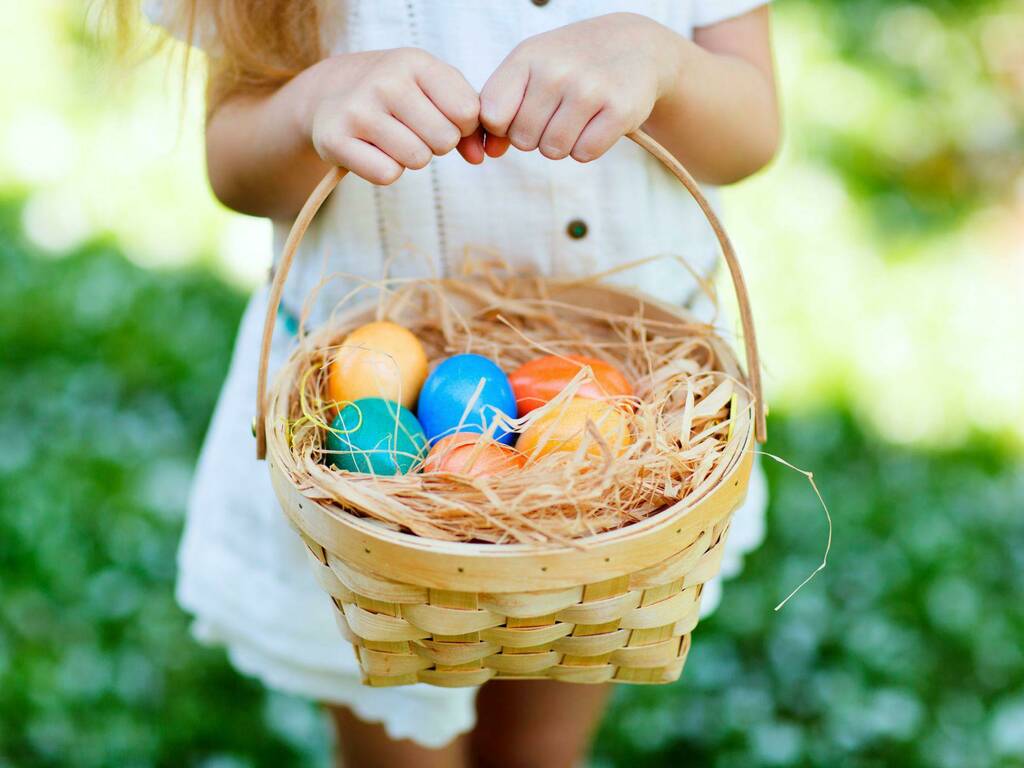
(455, 614)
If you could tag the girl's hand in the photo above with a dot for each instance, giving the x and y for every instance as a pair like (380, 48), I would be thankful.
(576, 90)
(380, 112)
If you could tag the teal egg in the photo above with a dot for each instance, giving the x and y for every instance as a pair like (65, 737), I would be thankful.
(376, 436)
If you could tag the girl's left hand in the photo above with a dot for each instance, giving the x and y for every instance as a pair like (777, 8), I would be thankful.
(578, 89)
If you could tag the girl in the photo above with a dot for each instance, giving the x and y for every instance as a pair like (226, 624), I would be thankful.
(383, 87)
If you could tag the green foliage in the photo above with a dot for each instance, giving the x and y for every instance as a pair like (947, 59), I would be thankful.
(109, 374)
(905, 651)
(918, 106)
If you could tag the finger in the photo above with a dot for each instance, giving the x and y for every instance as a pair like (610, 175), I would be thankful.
(397, 141)
(419, 114)
(566, 126)
(452, 94)
(502, 96)
(496, 146)
(539, 104)
(364, 160)
(607, 127)
(472, 147)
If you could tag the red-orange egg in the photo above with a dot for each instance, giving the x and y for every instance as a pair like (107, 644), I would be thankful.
(539, 381)
(467, 453)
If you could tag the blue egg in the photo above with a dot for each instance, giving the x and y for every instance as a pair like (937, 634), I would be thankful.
(447, 403)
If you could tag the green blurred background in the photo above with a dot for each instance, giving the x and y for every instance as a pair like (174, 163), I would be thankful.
(885, 252)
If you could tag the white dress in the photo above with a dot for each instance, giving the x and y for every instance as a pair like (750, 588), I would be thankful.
(243, 572)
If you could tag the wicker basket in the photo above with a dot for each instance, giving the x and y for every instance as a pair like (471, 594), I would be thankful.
(457, 614)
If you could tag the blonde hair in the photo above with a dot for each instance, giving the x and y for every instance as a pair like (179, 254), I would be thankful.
(258, 45)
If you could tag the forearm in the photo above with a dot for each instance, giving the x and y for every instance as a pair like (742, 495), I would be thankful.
(259, 155)
(718, 115)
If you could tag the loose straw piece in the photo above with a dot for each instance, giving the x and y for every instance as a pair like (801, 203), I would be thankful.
(828, 517)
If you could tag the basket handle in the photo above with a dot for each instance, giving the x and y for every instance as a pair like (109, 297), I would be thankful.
(335, 175)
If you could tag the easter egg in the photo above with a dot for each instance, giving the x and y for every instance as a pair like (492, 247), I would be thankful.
(379, 359)
(539, 381)
(472, 454)
(376, 436)
(563, 428)
(450, 401)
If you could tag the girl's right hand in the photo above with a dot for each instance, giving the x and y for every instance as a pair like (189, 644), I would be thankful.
(380, 112)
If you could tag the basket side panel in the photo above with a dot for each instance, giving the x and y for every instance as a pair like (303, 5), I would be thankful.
(613, 631)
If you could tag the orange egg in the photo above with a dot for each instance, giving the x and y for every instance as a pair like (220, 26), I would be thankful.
(539, 381)
(467, 453)
(563, 428)
(378, 359)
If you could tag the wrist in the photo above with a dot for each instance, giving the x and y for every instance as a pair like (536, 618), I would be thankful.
(311, 87)
(671, 51)
(666, 48)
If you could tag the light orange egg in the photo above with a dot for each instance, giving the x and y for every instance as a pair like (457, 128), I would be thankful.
(380, 359)
(467, 453)
(563, 428)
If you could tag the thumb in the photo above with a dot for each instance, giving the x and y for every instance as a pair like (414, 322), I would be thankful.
(496, 146)
(472, 147)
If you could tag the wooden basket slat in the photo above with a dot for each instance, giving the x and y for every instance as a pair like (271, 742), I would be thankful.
(455, 679)
(522, 605)
(450, 621)
(527, 638)
(381, 664)
(667, 611)
(375, 626)
(674, 567)
(343, 627)
(707, 566)
(686, 624)
(328, 581)
(593, 645)
(522, 663)
(656, 655)
(600, 611)
(598, 674)
(382, 681)
(372, 586)
(454, 654)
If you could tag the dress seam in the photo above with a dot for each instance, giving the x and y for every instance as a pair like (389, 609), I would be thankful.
(435, 179)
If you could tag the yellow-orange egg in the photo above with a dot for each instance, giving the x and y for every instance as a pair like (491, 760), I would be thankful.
(378, 359)
(468, 453)
(563, 428)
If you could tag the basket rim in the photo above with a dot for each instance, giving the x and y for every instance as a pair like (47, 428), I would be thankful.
(502, 568)
(493, 567)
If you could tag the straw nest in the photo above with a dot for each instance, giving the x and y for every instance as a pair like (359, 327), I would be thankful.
(688, 395)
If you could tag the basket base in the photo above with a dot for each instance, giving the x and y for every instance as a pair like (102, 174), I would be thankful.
(629, 629)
